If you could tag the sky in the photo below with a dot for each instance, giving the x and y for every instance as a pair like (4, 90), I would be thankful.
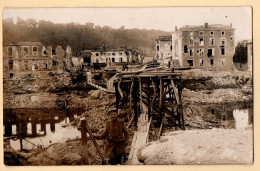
(164, 18)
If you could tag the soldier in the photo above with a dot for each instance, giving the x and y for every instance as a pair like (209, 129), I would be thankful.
(116, 135)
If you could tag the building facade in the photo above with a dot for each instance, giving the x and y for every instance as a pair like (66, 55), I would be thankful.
(164, 49)
(113, 57)
(204, 47)
(33, 60)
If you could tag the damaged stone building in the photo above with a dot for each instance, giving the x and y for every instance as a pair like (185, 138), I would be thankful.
(97, 59)
(203, 47)
(117, 57)
(33, 60)
(164, 49)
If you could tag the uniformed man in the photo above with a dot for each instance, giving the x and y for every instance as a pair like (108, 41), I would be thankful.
(116, 135)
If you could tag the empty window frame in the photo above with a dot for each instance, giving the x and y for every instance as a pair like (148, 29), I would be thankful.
(97, 54)
(54, 64)
(26, 65)
(121, 59)
(201, 52)
(158, 48)
(198, 52)
(201, 42)
(211, 41)
(25, 51)
(35, 66)
(201, 33)
(185, 49)
(223, 41)
(190, 63)
(201, 62)
(10, 51)
(35, 51)
(113, 59)
(86, 59)
(222, 50)
(45, 65)
(222, 33)
(192, 52)
(211, 33)
(11, 64)
(191, 41)
(53, 52)
(11, 75)
(212, 62)
(210, 53)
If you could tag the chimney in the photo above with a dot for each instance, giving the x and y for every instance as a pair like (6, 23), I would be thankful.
(175, 28)
(206, 25)
(230, 25)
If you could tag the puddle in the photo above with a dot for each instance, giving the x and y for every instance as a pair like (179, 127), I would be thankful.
(40, 127)
(228, 116)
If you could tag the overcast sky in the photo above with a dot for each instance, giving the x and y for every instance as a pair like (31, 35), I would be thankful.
(165, 18)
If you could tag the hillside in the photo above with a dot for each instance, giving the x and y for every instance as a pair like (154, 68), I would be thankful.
(87, 36)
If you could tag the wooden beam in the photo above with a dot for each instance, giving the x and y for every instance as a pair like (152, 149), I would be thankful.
(96, 145)
(131, 92)
(84, 141)
(140, 92)
(181, 109)
(175, 92)
(161, 92)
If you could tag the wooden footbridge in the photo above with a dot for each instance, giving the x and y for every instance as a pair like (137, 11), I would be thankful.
(148, 98)
(155, 96)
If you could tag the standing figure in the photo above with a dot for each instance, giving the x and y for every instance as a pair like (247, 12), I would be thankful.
(116, 135)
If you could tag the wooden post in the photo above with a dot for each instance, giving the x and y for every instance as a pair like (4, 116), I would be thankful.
(117, 95)
(149, 100)
(84, 141)
(140, 93)
(161, 91)
(21, 143)
(181, 110)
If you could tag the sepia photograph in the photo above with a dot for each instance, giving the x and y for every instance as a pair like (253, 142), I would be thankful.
(128, 86)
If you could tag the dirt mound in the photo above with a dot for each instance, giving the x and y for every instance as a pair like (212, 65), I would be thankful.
(216, 146)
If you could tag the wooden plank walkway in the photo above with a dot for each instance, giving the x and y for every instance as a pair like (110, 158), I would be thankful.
(140, 139)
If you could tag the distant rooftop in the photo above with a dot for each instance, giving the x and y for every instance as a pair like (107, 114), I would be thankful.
(206, 26)
(165, 38)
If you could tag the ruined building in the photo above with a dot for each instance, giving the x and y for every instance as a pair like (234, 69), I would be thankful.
(205, 47)
(33, 60)
(164, 49)
(97, 59)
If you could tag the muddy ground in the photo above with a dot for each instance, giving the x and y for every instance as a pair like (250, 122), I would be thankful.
(214, 87)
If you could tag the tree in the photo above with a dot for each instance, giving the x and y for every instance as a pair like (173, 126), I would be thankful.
(240, 55)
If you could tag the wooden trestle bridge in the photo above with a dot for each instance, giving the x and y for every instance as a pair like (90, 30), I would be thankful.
(147, 98)
(155, 96)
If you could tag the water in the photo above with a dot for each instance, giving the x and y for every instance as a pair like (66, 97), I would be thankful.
(40, 127)
(228, 116)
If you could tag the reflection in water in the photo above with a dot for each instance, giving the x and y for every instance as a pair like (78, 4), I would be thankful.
(242, 119)
(228, 116)
(39, 127)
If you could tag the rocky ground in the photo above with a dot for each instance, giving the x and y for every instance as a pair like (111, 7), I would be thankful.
(216, 88)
